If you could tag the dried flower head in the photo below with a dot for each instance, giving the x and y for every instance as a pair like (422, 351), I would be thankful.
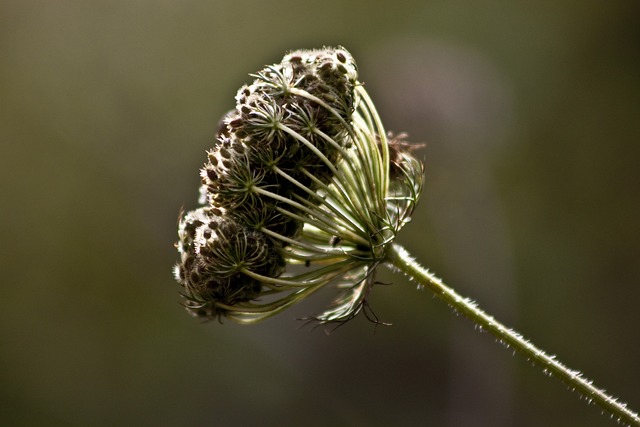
(302, 188)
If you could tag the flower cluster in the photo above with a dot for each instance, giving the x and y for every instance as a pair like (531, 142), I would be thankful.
(302, 173)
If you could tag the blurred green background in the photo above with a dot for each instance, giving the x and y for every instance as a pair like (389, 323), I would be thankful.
(531, 115)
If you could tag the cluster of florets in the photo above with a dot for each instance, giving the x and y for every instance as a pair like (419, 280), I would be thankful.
(275, 147)
(213, 246)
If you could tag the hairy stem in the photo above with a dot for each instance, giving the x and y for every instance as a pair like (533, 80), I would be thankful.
(399, 258)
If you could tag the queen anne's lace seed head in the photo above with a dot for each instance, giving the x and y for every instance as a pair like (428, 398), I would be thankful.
(302, 172)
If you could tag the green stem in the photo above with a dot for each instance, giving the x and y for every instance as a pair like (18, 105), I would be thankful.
(399, 258)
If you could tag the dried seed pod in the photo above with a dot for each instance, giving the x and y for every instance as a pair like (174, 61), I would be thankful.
(302, 172)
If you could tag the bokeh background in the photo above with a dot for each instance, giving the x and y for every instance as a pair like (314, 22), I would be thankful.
(531, 115)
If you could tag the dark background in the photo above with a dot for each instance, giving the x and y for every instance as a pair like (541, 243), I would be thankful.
(531, 115)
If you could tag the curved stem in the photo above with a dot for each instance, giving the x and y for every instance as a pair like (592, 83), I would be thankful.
(399, 258)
